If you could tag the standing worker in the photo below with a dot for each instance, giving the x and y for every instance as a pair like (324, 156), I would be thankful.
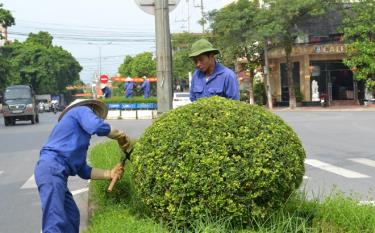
(64, 155)
(128, 87)
(146, 87)
(210, 77)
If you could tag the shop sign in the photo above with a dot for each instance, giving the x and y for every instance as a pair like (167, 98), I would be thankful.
(329, 49)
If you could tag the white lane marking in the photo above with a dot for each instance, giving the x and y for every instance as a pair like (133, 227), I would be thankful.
(305, 177)
(364, 161)
(30, 183)
(367, 203)
(76, 192)
(1, 172)
(334, 169)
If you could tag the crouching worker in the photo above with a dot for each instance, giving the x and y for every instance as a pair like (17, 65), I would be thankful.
(64, 155)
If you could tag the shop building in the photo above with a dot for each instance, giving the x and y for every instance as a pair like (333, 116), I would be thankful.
(317, 65)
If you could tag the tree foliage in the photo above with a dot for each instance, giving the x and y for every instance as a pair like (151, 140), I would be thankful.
(36, 62)
(142, 64)
(6, 18)
(278, 22)
(125, 68)
(359, 35)
(234, 27)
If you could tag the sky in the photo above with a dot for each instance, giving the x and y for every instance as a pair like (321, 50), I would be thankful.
(86, 28)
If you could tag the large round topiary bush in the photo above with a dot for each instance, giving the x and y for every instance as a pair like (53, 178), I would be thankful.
(217, 157)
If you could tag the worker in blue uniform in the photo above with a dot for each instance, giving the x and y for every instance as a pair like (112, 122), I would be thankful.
(107, 92)
(146, 87)
(128, 87)
(64, 155)
(210, 77)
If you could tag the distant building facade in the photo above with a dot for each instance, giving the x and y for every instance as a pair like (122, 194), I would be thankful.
(317, 55)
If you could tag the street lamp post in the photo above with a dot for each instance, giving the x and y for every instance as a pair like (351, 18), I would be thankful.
(100, 54)
(100, 66)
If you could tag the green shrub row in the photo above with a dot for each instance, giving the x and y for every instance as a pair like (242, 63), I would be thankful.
(136, 99)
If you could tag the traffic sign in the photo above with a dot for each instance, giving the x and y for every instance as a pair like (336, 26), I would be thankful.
(148, 6)
(104, 79)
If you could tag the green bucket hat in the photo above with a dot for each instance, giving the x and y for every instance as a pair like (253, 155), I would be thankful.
(202, 46)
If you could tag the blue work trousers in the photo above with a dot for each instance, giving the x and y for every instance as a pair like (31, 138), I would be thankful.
(60, 212)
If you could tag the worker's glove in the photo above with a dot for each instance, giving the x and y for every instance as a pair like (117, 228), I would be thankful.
(121, 138)
(102, 174)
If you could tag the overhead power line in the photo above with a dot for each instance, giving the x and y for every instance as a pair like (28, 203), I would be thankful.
(87, 38)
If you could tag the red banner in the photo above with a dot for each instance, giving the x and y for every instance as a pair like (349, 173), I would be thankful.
(135, 79)
(83, 95)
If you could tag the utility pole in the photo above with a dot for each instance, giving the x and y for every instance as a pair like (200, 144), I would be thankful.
(188, 15)
(100, 54)
(267, 75)
(202, 13)
(202, 16)
(164, 56)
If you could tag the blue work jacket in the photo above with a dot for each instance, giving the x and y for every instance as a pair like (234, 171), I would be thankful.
(222, 82)
(70, 139)
(129, 89)
(146, 88)
(107, 92)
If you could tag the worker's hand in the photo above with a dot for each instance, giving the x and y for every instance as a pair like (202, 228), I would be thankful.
(117, 171)
(121, 138)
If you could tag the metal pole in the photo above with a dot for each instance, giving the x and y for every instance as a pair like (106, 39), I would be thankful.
(188, 16)
(163, 56)
(267, 75)
(100, 60)
(202, 16)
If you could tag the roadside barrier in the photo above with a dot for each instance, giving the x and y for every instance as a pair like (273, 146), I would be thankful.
(125, 111)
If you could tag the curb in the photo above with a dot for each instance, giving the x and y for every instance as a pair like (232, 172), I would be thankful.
(327, 109)
(131, 114)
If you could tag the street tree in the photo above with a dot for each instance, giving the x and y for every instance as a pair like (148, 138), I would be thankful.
(359, 35)
(125, 68)
(41, 38)
(278, 22)
(48, 68)
(140, 65)
(5, 71)
(234, 28)
(6, 20)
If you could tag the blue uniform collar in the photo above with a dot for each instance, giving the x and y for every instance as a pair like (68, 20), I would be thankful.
(219, 69)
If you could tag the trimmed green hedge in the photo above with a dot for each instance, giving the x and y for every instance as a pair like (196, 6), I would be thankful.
(217, 157)
(136, 99)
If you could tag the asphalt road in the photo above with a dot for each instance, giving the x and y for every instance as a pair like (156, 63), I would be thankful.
(19, 151)
(340, 151)
(339, 147)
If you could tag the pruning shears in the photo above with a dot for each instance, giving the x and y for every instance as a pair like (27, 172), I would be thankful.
(126, 156)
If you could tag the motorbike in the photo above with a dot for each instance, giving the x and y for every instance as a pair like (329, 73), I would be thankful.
(54, 108)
